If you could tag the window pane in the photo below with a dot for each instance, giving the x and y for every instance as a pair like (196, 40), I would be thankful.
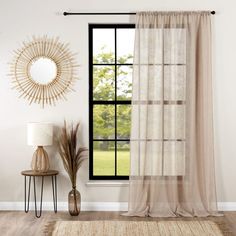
(103, 158)
(124, 82)
(174, 122)
(123, 157)
(103, 121)
(175, 46)
(150, 53)
(174, 159)
(174, 82)
(103, 83)
(103, 46)
(123, 121)
(125, 46)
(149, 78)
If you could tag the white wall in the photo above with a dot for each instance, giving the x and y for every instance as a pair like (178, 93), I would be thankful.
(22, 19)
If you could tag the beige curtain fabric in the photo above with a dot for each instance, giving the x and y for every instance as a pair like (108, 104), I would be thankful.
(172, 158)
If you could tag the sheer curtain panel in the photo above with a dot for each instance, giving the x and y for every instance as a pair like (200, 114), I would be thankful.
(172, 157)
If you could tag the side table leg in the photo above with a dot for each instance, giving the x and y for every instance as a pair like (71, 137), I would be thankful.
(54, 192)
(38, 214)
(28, 200)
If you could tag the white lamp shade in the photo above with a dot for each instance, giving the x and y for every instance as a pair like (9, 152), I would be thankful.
(39, 134)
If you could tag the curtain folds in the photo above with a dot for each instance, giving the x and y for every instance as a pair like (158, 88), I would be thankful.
(172, 157)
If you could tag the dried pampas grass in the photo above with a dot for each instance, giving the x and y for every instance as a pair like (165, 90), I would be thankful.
(71, 154)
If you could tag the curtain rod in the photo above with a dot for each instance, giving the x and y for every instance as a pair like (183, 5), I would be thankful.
(106, 13)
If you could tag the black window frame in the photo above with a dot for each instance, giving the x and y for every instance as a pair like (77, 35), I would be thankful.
(114, 102)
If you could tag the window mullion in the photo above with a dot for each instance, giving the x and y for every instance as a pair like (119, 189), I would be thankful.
(90, 101)
(115, 102)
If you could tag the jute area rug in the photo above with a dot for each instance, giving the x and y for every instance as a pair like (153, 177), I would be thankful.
(134, 228)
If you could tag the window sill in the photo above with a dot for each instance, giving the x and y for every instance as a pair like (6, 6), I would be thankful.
(107, 183)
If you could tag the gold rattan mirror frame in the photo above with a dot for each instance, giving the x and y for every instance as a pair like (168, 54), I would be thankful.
(51, 48)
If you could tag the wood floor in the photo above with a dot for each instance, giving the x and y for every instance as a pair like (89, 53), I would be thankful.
(19, 223)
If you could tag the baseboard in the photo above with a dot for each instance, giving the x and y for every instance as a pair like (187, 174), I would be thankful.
(227, 206)
(63, 206)
(93, 206)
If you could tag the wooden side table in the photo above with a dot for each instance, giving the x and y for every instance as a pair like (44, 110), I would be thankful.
(32, 174)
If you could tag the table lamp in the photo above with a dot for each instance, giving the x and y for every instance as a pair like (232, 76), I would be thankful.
(40, 134)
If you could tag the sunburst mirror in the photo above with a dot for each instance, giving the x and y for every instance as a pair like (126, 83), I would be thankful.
(43, 70)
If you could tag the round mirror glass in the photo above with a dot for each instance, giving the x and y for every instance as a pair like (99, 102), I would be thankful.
(43, 70)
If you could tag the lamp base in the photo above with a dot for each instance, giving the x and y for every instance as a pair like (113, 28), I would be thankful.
(40, 161)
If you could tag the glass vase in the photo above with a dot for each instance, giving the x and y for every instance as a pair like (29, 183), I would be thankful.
(74, 202)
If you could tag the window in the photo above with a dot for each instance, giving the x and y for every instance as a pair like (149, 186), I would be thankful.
(159, 103)
(110, 89)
